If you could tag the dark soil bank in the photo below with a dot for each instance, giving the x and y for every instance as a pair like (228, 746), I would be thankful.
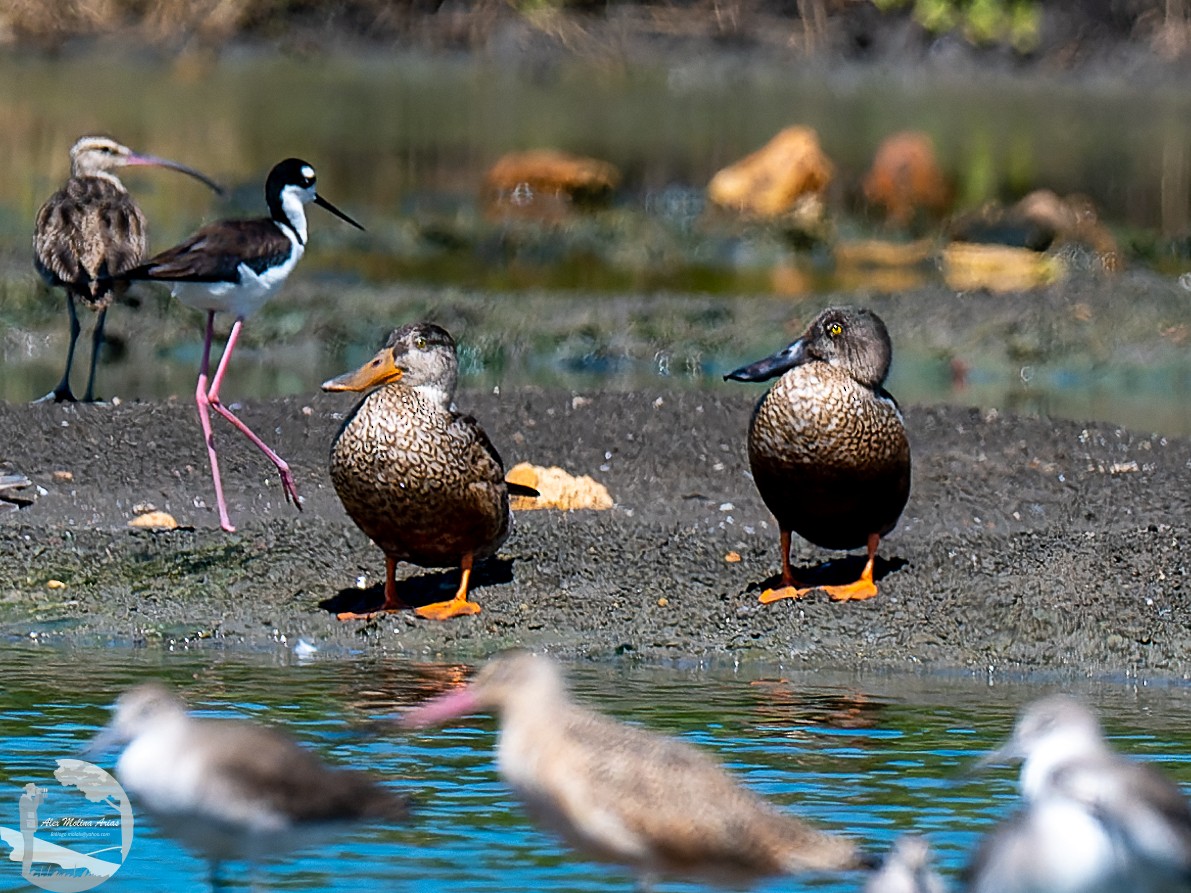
(1026, 544)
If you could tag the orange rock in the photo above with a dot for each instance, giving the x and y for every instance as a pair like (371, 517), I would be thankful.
(552, 172)
(789, 174)
(154, 521)
(557, 489)
(906, 180)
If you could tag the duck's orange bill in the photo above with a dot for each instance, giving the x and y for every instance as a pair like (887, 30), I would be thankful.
(379, 370)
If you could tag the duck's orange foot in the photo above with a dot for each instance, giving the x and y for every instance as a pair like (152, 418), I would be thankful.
(455, 607)
(850, 592)
(774, 595)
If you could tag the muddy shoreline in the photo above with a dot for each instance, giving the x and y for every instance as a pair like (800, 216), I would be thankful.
(1028, 544)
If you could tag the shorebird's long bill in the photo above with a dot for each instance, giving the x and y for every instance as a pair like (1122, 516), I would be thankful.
(153, 161)
(323, 203)
(379, 370)
(436, 711)
(773, 365)
(105, 740)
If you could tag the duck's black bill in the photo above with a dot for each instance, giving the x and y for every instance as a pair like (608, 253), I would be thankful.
(772, 366)
(323, 203)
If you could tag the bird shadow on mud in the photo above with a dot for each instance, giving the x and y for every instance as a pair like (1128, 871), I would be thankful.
(836, 572)
(421, 589)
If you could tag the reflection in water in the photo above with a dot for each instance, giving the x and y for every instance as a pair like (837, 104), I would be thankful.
(872, 756)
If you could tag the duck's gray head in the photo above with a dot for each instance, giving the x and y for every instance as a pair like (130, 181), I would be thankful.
(852, 339)
(419, 355)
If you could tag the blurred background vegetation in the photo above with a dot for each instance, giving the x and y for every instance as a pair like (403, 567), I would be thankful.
(1021, 27)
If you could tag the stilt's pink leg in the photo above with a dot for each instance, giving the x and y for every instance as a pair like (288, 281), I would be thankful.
(287, 479)
(201, 399)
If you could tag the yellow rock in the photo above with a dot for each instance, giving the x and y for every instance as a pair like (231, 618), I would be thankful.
(55, 584)
(154, 521)
(732, 557)
(788, 171)
(558, 489)
(998, 268)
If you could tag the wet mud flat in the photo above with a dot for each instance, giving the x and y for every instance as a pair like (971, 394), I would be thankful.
(1028, 544)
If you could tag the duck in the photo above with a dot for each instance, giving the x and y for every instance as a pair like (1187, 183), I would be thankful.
(827, 444)
(626, 795)
(419, 478)
(233, 789)
(89, 231)
(1129, 824)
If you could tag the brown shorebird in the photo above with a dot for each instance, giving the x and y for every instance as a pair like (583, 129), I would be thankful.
(827, 444)
(230, 788)
(623, 794)
(421, 479)
(89, 231)
(235, 266)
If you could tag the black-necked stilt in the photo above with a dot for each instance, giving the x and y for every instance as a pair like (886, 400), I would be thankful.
(234, 266)
(231, 788)
(1093, 820)
(89, 231)
(628, 795)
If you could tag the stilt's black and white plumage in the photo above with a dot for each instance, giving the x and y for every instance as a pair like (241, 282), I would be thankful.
(235, 266)
(88, 232)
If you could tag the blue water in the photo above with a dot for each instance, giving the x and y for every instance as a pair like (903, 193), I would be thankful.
(870, 756)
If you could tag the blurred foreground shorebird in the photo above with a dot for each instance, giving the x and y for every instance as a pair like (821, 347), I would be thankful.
(1093, 820)
(231, 789)
(625, 795)
(422, 480)
(89, 231)
(827, 443)
(906, 869)
(234, 266)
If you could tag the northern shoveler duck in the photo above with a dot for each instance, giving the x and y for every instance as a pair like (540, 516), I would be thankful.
(89, 231)
(422, 480)
(231, 788)
(626, 795)
(827, 443)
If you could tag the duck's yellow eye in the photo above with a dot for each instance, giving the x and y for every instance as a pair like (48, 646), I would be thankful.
(420, 343)
(835, 330)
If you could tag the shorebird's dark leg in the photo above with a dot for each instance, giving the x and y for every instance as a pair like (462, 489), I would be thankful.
(392, 602)
(863, 587)
(457, 605)
(200, 398)
(287, 478)
(62, 392)
(96, 347)
(789, 587)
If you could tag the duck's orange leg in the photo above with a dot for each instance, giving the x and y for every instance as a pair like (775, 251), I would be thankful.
(789, 588)
(863, 588)
(392, 602)
(457, 605)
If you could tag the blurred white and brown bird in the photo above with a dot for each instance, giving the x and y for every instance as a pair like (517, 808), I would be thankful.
(235, 266)
(1093, 820)
(233, 789)
(90, 231)
(626, 795)
(422, 480)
